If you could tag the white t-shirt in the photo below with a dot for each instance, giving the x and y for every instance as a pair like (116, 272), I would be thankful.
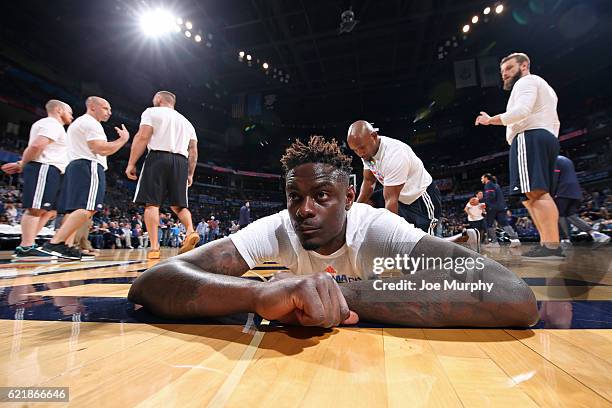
(85, 128)
(532, 105)
(55, 152)
(370, 233)
(474, 212)
(395, 163)
(171, 130)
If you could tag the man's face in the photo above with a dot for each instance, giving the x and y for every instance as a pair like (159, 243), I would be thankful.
(66, 115)
(317, 202)
(156, 100)
(102, 110)
(512, 71)
(479, 195)
(483, 180)
(364, 147)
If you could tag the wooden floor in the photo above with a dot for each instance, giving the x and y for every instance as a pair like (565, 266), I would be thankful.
(70, 324)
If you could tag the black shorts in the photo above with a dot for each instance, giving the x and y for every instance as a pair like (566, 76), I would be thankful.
(41, 186)
(567, 206)
(424, 213)
(533, 154)
(496, 215)
(84, 186)
(163, 177)
(479, 225)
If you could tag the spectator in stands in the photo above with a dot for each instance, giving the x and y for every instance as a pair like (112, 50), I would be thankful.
(202, 230)
(245, 215)
(127, 235)
(213, 229)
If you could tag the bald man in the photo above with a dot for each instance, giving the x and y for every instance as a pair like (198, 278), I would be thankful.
(85, 182)
(168, 169)
(43, 163)
(408, 189)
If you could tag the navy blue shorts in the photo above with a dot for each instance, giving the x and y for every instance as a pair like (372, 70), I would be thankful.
(533, 154)
(424, 213)
(41, 186)
(84, 186)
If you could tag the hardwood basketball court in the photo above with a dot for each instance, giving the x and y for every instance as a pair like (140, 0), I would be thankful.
(70, 324)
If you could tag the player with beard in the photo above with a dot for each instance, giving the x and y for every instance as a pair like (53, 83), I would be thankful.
(532, 131)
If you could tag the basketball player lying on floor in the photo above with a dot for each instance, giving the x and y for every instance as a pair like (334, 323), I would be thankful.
(323, 234)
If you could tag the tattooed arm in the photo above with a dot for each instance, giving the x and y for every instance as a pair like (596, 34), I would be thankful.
(206, 282)
(509, 303)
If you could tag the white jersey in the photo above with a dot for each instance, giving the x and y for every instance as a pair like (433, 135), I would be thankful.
(171, 130)
(370, 233)
(55, 152)
(394, 164)
(84, 129)
(532, 105)
(474, 212)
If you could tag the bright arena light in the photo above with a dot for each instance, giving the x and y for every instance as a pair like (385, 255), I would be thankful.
(188, 34)
(241, 54)
(466, 28)
(177, 29)
(474, 19)
(157, 22)
(265, 65)
(197, 38)
(179, 21)
(499, 8)
(189, 25)
(486, 11)
(249, 57)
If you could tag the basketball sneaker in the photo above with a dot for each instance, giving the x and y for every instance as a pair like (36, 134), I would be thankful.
(62, 250)
(31, 254)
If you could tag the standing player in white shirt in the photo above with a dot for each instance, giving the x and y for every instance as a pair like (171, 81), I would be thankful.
(43, 163)
(532, 129)
(84, 185)
(168, 169)
(408, 189)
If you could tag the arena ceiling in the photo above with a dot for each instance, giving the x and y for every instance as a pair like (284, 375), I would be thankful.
(397, 60)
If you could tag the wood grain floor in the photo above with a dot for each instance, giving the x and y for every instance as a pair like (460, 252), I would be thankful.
(185, 365)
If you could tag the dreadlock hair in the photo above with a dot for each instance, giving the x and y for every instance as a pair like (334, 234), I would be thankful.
(318, 150)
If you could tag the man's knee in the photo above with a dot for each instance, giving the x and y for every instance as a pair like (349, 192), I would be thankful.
(176, 209)
(538, 195)
(35, 212)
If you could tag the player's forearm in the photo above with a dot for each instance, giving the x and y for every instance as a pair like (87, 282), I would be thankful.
(496, 120)
(181, 290)
(392, 205)
(110, 148)
(437, 308)
(31, 153)
(365, 192)
(139, 145)
(193, 161)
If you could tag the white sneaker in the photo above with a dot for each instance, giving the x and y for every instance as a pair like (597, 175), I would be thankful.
(515, 243)
(600, 238)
